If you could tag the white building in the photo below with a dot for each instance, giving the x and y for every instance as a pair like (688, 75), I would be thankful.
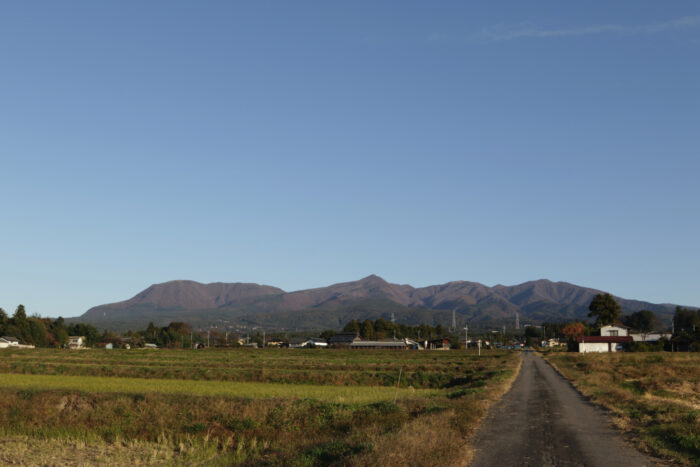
(588, 344)
(7, 341)
(651, 336)
(616, 329)
(76, 342)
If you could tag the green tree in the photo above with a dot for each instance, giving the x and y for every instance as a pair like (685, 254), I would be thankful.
(37, 333)
(367, 331)
(352, 326)
(642, 320)
(605, 309)
(4, 321)
(21, 325)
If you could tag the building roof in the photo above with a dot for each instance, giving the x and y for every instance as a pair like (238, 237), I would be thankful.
(317, 340)
(616, 324)
(388, 344)
(343, 338)
(604, 339)
(10, 339)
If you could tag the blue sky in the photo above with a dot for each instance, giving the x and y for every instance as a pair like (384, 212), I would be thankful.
(300, 144)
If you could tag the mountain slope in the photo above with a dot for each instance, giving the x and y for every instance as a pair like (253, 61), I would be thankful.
(370, 297)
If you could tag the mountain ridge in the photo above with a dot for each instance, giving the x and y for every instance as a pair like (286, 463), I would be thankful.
(249, 304)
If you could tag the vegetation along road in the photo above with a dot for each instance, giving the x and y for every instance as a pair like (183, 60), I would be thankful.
(543, 421)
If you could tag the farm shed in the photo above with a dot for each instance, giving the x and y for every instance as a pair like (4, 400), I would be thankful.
(589, 344)
(388, 344)
(437, 344)
(8, 341)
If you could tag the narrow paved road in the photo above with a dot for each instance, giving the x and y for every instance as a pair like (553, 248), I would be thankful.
(544, 421)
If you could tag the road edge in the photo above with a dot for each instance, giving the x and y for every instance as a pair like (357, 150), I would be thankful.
(628, 436)
(498, 396)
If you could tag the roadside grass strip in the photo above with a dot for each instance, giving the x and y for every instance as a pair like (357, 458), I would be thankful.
(251, 390)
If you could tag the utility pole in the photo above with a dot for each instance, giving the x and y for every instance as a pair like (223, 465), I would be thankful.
(466, 336)
(208, 338)
(263, 338)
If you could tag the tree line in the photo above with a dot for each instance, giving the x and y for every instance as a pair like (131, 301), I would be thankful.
(44, 332)
(383, 329)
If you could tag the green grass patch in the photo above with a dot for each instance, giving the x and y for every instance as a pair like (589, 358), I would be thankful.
(99, 384)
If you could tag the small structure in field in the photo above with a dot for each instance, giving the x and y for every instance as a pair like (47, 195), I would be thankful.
(553, 342)
(76, 342)
(311, 343)
(588, 344)
(277, 343)
(150, 346)
(437, 344)
(8, 341)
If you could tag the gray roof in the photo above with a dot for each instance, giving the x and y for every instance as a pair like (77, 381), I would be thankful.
(387, 344)
(343, 338)
(9, 339)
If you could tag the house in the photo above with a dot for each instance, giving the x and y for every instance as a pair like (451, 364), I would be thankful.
(617, 329)
(8, 341)
(76, 342)
(553, 342)
(343, 339)
(277, 343)
(437, 344)
(314, 342)
(589, 344)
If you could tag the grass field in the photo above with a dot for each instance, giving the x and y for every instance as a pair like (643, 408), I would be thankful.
(245, 406)
(102, 384)
(653, 396)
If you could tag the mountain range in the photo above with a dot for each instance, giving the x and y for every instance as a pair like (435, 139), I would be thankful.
(236, 305)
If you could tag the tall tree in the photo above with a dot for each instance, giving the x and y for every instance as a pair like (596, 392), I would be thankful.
(4, 321)
(367, 329)
(642, 320)
(352, 326)
(605, 309)
(21, 325)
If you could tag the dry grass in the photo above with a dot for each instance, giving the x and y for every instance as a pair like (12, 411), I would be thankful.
(655, 397)
(130, 423)
(441, 438)
(98, 384)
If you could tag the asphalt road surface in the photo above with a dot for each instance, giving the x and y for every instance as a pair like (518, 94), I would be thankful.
(544, 421)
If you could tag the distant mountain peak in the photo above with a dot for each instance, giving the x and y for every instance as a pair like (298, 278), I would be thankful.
(371, 297)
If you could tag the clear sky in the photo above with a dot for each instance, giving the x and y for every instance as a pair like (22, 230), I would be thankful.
(300, 144)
